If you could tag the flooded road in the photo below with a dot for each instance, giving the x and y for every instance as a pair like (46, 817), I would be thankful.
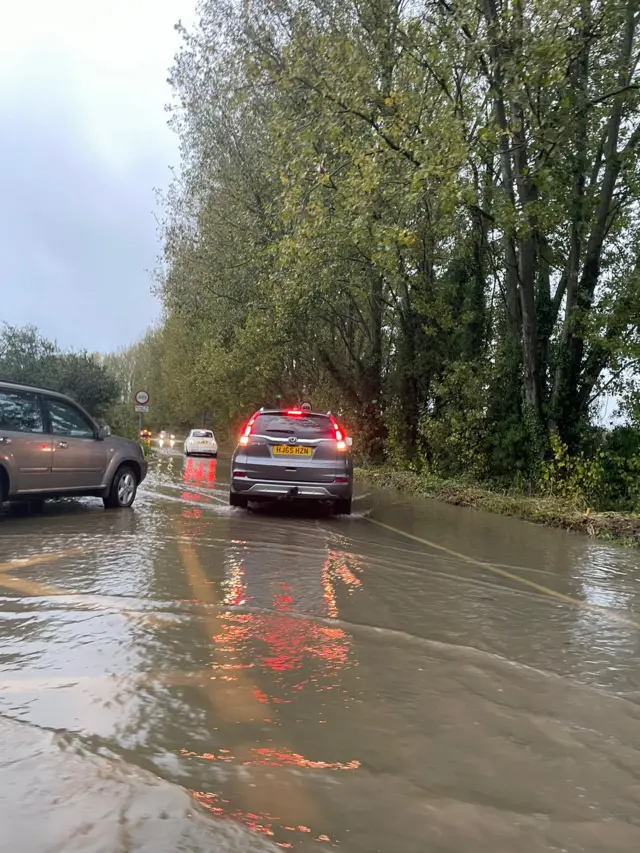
(184, 676)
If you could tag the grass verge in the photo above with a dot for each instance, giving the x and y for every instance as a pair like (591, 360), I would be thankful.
(622, 528)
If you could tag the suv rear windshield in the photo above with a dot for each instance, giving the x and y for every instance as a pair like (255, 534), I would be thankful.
(302, 426)
(202, 433)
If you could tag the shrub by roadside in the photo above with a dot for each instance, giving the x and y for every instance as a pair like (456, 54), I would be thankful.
(623, 528)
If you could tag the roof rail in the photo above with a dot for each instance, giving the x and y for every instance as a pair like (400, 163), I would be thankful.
(32, 387)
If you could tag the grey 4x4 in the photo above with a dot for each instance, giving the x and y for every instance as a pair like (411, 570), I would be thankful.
(294, 454)
(50, 447)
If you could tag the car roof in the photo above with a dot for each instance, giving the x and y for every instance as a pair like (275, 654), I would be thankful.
(38, 389)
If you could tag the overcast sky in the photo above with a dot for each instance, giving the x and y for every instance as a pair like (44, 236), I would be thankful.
(84, 142)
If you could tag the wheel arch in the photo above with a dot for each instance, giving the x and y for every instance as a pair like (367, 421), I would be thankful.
(125, 463)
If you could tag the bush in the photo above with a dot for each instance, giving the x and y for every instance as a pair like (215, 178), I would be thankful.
(577, 480)
(608, 479)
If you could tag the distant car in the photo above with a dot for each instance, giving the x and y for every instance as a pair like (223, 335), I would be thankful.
(166, 439)
(145, 435)
(293, 454)
(50, 447)
(200, 442)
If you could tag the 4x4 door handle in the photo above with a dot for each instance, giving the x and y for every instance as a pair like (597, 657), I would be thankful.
(63, 444)
(4, 440)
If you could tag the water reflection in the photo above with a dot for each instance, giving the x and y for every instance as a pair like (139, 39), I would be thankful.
(199, 473)
(364, 691)
(289, 597)
(273, 643)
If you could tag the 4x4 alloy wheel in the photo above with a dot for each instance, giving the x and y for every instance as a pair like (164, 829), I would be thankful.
(122, 492)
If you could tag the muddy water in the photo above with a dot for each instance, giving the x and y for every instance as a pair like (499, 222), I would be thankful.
(416, 677)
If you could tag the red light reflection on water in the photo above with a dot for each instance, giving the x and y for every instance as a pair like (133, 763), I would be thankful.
(200, 472)
(191, 512)
(286, 758)
(267, 756)
(260, 822)
(197, 473)
(282, 640)
(289, 640)
(298, 651)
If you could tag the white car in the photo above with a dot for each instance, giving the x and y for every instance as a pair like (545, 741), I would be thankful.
(200, 441)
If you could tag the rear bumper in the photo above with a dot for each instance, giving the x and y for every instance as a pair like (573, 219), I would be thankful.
(283, 489)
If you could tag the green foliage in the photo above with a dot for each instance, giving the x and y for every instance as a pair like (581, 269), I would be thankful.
(608, 478)
(433, 209)
(26, 357)
(122, 421)
(454, 439)
(575, 479)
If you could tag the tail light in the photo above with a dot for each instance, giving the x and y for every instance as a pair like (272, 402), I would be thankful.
(339, 434)
(295, 412)
(244, 438)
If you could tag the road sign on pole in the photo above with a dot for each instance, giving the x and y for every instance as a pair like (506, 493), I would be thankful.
(141, 398)
(142, 408)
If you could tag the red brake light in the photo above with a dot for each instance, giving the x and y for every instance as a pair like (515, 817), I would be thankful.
(295, 412)
(244, 438)
(339, 432)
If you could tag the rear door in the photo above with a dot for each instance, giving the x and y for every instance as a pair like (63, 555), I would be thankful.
(79, 456)
(25, 450)
(295, 448)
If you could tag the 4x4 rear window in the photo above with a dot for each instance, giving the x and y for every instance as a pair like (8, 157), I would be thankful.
(302, 426)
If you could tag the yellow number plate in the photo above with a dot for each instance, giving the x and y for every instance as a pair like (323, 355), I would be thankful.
(291, 450)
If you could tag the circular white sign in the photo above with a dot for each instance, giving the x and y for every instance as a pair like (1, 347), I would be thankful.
(142, 398)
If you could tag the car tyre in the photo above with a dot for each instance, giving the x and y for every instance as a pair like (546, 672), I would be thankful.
(4, 486)
(122, 491)
(343, 506)
(238, 500)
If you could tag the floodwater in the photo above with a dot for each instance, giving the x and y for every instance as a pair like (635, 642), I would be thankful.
(417, 677)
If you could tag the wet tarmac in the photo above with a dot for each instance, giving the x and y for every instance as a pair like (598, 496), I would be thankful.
(416, 677)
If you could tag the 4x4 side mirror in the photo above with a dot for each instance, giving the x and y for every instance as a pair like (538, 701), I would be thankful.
(104, 432)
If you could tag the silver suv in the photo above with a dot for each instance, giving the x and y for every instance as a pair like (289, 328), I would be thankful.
(50, 447)
(292, 454)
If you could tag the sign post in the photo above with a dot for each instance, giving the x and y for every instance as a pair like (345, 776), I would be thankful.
(142, 405)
